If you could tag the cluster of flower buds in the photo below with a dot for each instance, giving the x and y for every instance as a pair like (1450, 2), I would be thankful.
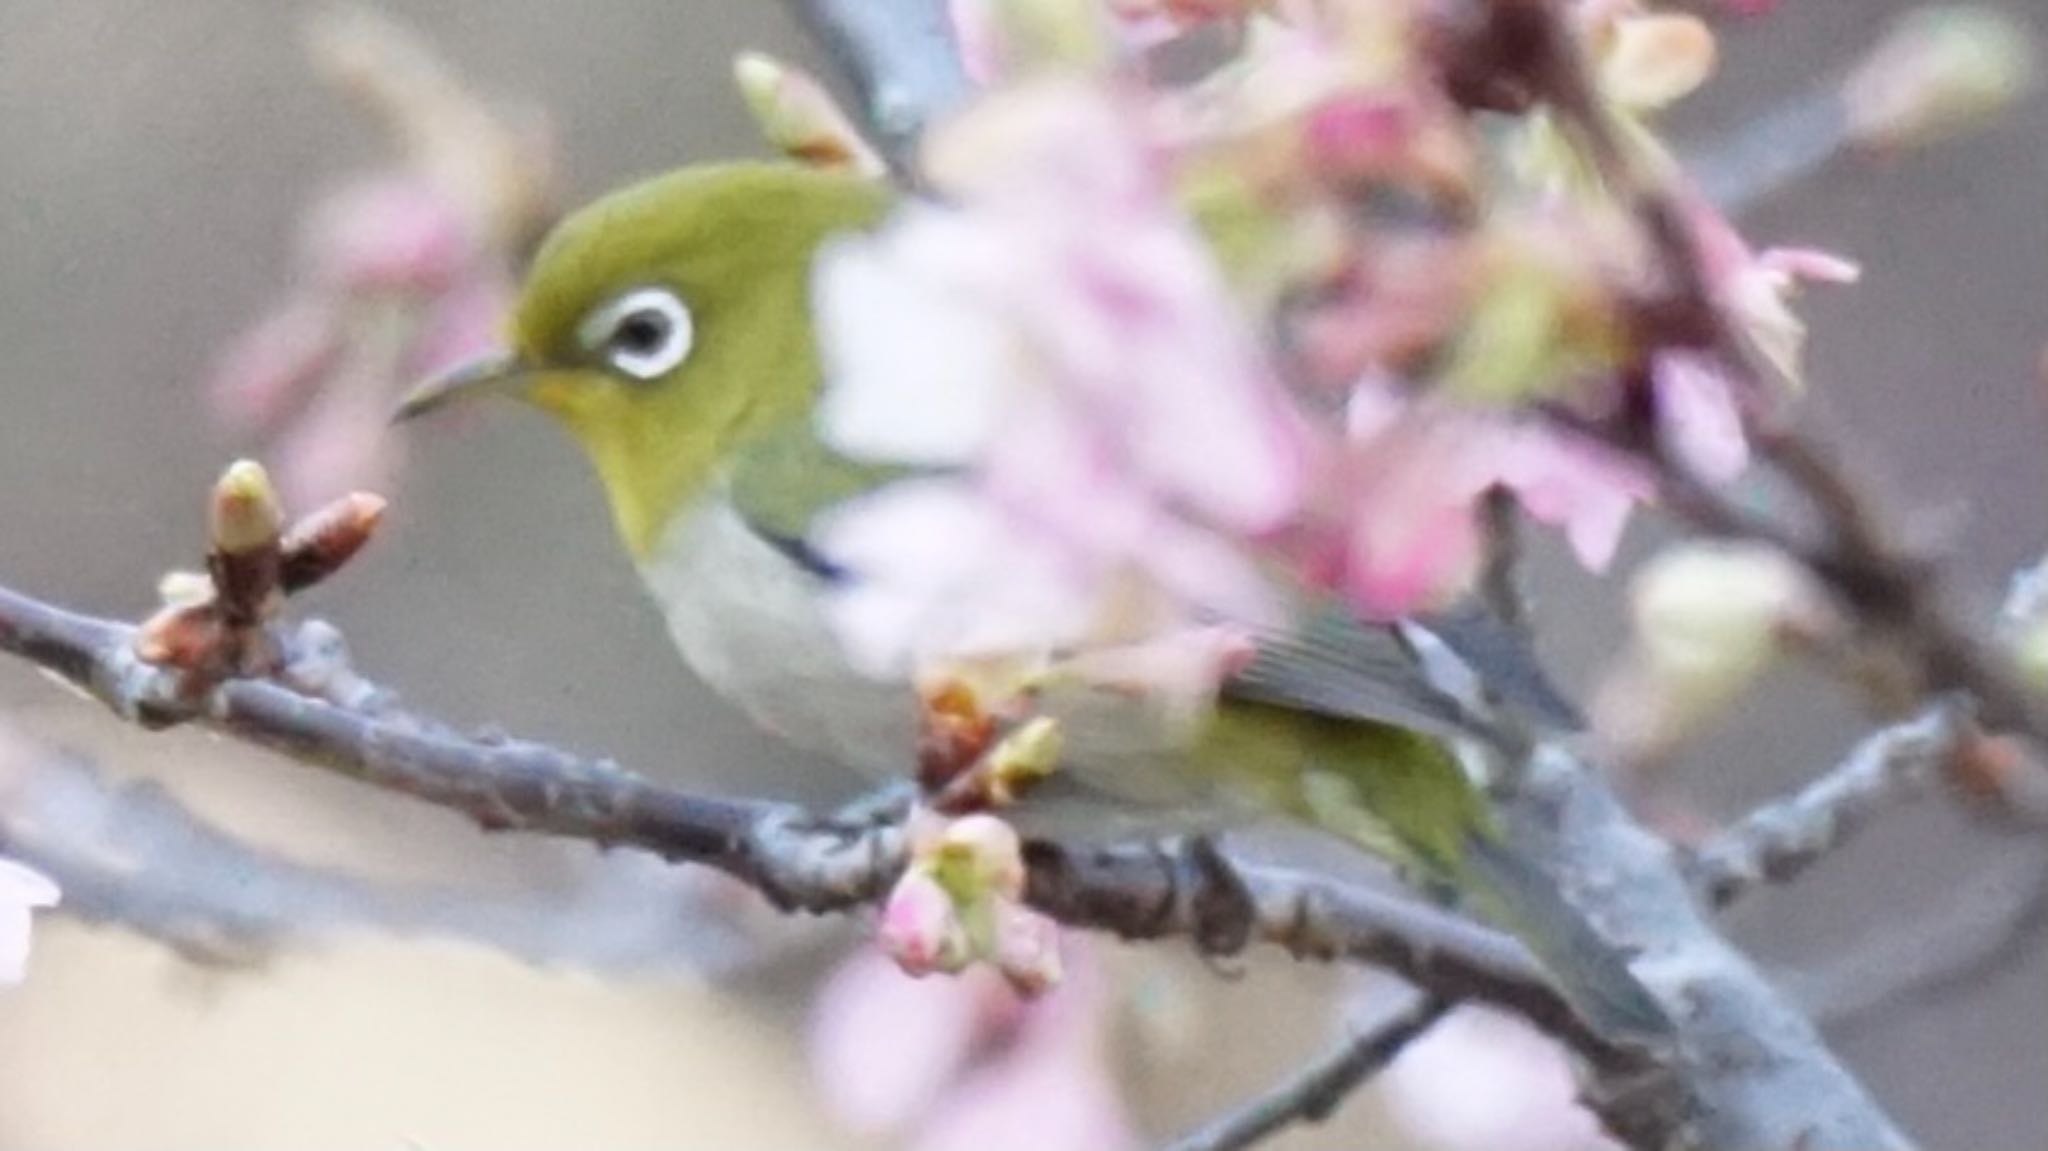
(214, 624)
(960, 902)
(1202, 350)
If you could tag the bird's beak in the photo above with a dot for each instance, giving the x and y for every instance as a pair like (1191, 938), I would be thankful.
(499, 373)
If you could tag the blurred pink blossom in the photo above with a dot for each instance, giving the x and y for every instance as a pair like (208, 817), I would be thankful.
(1757, 288)
(965, 1065)
(22, 891)
(1419, 471)
(400, 273)
(395, 284)
(1699, 417)
(1121, 460)
(1073, 341)
(1482, 1080)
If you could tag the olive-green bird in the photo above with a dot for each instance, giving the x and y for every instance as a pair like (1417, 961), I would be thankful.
(668, 328)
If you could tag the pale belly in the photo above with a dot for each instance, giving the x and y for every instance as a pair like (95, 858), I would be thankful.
(746, 620)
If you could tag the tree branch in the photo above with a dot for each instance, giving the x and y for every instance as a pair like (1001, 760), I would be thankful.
(1890, 591)
(131, 855)
(1315, 1092)
(900, 57)
(1753, 1071)
(1778, 842)
(321, 713)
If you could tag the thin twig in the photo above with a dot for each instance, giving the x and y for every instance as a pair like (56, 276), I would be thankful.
(1313, 1094)
(1500, 578)
(1888, 590)
(799, 861)
(1778, 842)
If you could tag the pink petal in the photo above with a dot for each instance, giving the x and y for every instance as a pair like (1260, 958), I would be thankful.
(394, 232)
(1042, 1095)
(1583, 490)
(974, 30)
(1481, 1080)
(24, 886)
(1396, 571)
(936, 570)
(1810, 264)
(1027, 949)
(1698, 417)
(884, 1047)
(272, 366)
(918, 369)
(920, 928)
(342, 441)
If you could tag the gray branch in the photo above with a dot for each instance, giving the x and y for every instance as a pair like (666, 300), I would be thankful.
(901, 59)
(1778, 842)
(321, 713)
(1754, 1072)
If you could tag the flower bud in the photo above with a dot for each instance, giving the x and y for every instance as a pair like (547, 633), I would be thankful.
(1652, 60)
(799, 117)
(1718, 614)
(979, 855)
(1022, 758)
(245, 515)
(920, 928)
(1027, 949)
(1941, 72)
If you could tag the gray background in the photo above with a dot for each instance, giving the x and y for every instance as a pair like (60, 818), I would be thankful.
(153, 158)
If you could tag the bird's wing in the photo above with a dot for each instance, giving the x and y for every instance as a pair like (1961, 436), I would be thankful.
(1336, 665)
(1330, 663)
(1333, 665)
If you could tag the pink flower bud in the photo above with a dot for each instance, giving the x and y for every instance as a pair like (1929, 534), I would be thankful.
(920, 928)
(1027, 949)
(989, 855)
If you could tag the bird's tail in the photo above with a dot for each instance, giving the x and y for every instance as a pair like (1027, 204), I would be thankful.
(1509, 888)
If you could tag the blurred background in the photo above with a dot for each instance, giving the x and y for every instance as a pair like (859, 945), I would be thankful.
(156, 161)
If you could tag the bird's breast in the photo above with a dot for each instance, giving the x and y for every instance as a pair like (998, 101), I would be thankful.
(748, 621)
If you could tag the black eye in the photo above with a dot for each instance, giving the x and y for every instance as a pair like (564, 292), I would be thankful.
(644, 334)
(641, 333)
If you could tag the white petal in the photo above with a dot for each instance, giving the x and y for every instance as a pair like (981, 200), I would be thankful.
(915, 372)
(24, 886)
(14, 932)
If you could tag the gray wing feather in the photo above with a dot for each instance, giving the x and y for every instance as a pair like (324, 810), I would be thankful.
(1336, 665)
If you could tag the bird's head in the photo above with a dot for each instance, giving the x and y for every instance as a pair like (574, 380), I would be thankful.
(667, 323)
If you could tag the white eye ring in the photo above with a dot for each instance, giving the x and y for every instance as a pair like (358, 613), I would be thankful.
(645, 333)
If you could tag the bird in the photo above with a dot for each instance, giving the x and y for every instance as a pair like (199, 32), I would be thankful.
(668, 328)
